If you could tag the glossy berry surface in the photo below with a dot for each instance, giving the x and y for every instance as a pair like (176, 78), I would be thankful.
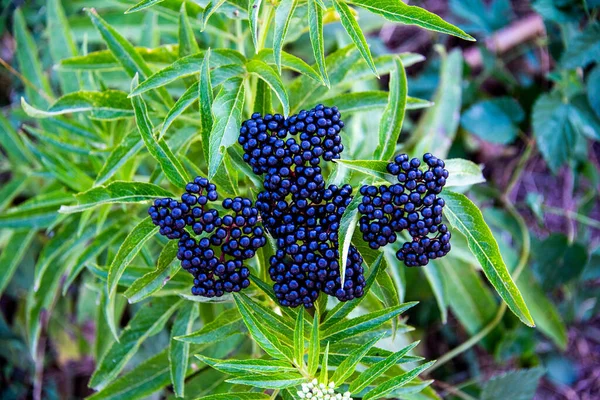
(411, 205)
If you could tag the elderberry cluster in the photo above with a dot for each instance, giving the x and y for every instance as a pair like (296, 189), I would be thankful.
(212, 246)
(296, 207)
(413, 205)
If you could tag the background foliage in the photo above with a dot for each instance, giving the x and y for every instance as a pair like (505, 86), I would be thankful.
(110, 104)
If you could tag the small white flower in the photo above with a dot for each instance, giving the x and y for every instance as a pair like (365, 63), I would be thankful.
(331, 385)
(301, 394)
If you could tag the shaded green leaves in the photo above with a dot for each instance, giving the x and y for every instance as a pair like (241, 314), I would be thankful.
(283, 16)
(253, 14)
(346, 368)
(158, 148)
(397, 11)
(392, 119)
(346, 230)
(271, 381)
(116, 192)
(205, 99)
(179, 351)
(142, 5)
(236, 396)
(299, 339)
(227, 324)
(17, 244)
(396, 382)
(584, 48)
(266, 73)
(227, 113)
(314, 346)
(520, 384)
(187, 40)
(148, 321)
(315, 29)
(109, 104)
(464, 216)
(494, 120)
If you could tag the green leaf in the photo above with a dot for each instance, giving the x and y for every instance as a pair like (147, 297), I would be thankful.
(116, 192)
(392, 119)
(583, 49)
(593, 83)
(397, 11)
(347, 367)
(342, 309)
(435, 278)
(142, 5)
(354, 102)
(364, 323)
(61, 43)
(283, 16)
(464, 216)
(519, 384)
(39, 211)
(237, 396)
(281, 327)
(253, 13)
(16, 245)
(147, 322)
(205, 98)
(377, 370)
(187, 39)
(250, 366)
(315, 26)
(37, 87)
(314, 347)
(154, 280)
(104, 60)
(129, 249)
(324, 366)
(298, 339)
(10, 141)
(190, 65)
(495, 120)
(227, 113)
(262, 102)
(289, 61)
(107, 105)
(266, 339)
(351, 26)
(558, 261)
(179, 351)
(438, 126)
(274, 381)
(129, 146)
(227, 324)
(125, 53)
(158, 148)
(397, 382)
(181, 105)
(346, 230)
(266, 73)
(210, 9)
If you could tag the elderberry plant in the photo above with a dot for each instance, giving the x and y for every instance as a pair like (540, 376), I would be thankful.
(281, 296)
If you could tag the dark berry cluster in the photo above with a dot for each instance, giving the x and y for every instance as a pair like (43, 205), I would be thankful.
(300, 212)
(413, 205)
(212, 246)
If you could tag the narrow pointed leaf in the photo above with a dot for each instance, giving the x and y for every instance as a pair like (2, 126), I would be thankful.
(142, 5)
(397, 382)
(347, 367)
(314, 347)
(299, 339)
(107, 105)
(253, 13)
(228, 323)
(61, 43)
(205, 98)
(266, 73)
(392, 119)
(189, 97)
(291, 62)
(275, 381)
(187, 39)
(346, 230)
(179, 351)
(315, 26)
(283, 16)
(16, 245)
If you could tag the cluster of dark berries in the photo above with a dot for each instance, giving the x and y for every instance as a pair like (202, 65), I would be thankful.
(299, 211)
(413, 205)
(212, 246)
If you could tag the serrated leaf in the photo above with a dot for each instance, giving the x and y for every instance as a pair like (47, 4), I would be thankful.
(116, 192)
(397, 11)
(435, 278)
(228, 323)
(266, 73)
(274, 381)
(227, 113)
(106, 105)
(464, 216)
(61, 43)
(368, 322)
(283, 16)
(179, 351)
(580, 49)
(324, 366)
(16, 245)
(209, 10)
(236, 396)
(314, 347)
(346, 230)
(394, 383)
(190, 65)
(392, 119)
(253, 13)
(142, 5)
(347, 367)
(355, 32)
(147, 322)
(205, 98)
(299, 339)
(37, 212)
(281, 327)
(130, 247)
(315, 28)
(155, 279)
(250, 366)
(189, 97)
(289, 61)
(187, 39)
(378, 369)
(519, 384)
(342, 309)
(10, 141)
(104, 60)
(158, 148)
(262, 104)
(131, 144)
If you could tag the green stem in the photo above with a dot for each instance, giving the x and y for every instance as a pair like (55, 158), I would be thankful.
(572, 214)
